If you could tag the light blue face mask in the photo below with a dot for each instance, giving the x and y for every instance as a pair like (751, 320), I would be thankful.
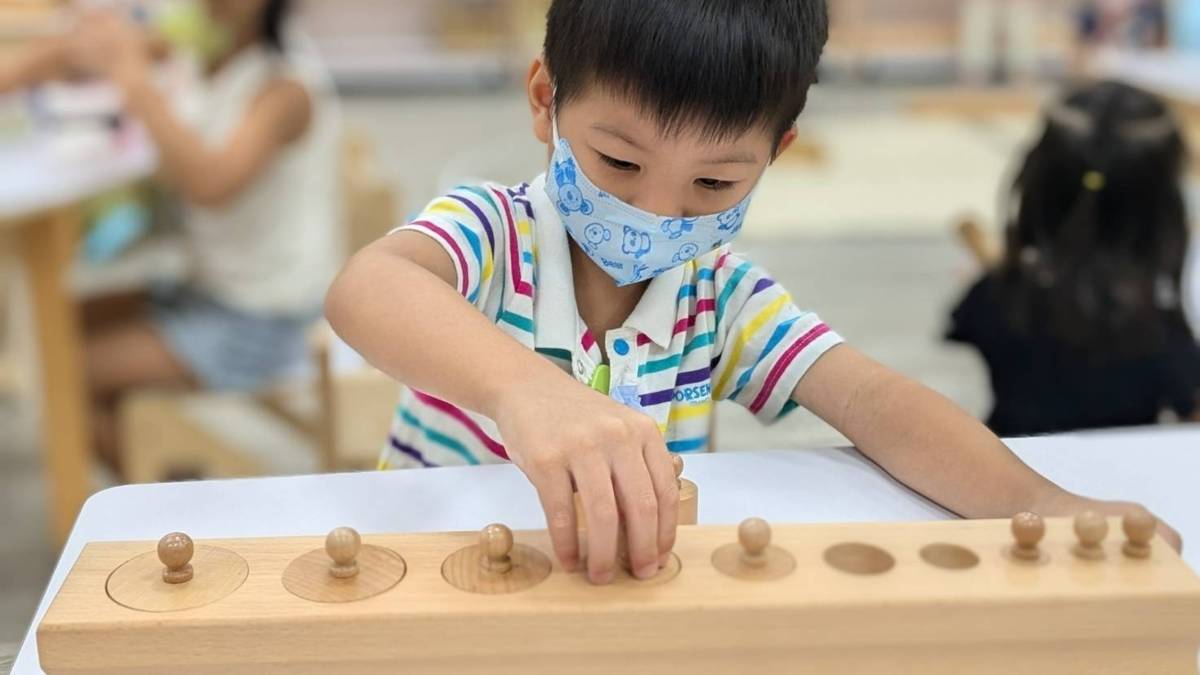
(630, 244)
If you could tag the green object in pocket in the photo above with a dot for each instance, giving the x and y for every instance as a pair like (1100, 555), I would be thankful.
(601, 379)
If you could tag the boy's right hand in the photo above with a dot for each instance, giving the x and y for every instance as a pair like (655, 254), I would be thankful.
(569, 435)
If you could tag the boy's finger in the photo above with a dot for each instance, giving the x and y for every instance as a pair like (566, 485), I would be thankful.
(666, 487)
(558, 502)
(639, 510)
(595, 483)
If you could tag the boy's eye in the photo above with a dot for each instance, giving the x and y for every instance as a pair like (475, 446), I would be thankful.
(714, 184)
(619, 165)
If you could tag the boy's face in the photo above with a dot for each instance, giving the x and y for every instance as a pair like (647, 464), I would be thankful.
(626, 154)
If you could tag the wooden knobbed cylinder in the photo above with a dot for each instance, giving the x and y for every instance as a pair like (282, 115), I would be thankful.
(495, 545)
(343, 544)
(754, 534)
(496, 564)
(1139, 528)
(689, 505)
(1028, 529)
(753, 558)
(175, 551)
(1091, 528)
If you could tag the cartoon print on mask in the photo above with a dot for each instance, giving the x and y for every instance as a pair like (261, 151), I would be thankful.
(595, 235)
(675, 228)
(686, 253)
(570, 197)
(732, 219)
(636, 244)
(629, 244)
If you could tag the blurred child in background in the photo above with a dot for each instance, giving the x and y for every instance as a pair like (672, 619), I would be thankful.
(251, 151)
(1082, 323)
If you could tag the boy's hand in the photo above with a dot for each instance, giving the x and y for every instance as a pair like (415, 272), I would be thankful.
(567, 434)
(1068, 505)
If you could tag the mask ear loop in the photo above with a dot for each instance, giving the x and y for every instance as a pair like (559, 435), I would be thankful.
(554, 115)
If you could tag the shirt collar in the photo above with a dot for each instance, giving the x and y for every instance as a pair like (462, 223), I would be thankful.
(657, 311)
(555, 311)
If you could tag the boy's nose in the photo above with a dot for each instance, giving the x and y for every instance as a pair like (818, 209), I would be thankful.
(660, 204)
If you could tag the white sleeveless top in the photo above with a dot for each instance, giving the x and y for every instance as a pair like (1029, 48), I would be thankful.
(274, 249)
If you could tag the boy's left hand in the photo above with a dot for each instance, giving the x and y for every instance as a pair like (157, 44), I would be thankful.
(1068, 505)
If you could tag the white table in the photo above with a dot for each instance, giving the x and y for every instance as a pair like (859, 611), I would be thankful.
(1170, 73)
(42, 182)
(1156, 467)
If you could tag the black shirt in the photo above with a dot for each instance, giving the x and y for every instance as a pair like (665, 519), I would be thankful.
(1042, 386)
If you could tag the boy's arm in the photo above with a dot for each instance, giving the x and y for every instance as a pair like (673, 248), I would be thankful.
(931, 445)
(396, 304)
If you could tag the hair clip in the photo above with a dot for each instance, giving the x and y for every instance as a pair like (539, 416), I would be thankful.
(1094, 181)
(1071, 119)
(1154, 130)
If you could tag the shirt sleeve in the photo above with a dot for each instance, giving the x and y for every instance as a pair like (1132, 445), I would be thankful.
(765, 344)
(468, 225)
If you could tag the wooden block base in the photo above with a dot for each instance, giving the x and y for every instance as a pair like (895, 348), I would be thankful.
(463, 570)
(138, 584)
(309, 576)
(1066, 616)
(775, 563)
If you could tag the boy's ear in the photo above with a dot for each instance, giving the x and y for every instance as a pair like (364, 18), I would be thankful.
(786, 142)
(540, 89)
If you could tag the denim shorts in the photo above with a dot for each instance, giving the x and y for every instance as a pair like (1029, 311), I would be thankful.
(229, 349)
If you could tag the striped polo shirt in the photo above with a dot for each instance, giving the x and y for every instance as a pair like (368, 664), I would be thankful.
(717, 328)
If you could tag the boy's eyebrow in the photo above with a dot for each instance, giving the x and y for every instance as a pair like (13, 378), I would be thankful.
(613, 131)
(733, 158)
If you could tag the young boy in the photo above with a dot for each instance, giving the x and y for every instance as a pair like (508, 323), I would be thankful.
(589, 319)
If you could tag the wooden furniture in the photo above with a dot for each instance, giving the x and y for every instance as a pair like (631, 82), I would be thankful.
(323, 422)
(878, 31)
(38, 198)
(862, 29)
(423, 44)
(983, 247)
(1155, 467)
(853, 598)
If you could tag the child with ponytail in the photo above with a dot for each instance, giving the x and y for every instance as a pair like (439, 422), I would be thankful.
(1082, 322)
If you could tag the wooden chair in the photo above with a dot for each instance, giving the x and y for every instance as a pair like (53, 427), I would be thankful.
(331, 422)
(982, 246)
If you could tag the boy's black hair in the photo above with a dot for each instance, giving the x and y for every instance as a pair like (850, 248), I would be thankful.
(271, 25)
(722, 66)
(1098, 230)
